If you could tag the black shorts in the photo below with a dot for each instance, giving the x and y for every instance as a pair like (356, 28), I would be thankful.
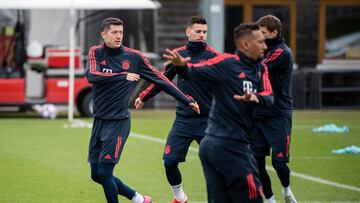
(107, 140)
(230, 171)
(183, 132)
(274, 133)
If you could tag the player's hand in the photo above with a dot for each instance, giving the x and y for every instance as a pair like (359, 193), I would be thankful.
(247, 97)
(166, 63)
(195, 106)
(138, 103)
(175, 58)
(132, 77)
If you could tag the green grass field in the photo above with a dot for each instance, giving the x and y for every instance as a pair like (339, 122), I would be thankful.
(41, 161)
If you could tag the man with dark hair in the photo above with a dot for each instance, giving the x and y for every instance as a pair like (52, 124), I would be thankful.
(240, 83)
(112, 69)
(188, 126)
(273, 125)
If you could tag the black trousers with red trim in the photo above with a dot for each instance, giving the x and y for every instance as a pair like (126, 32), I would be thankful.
(230, 171)
(107, 140)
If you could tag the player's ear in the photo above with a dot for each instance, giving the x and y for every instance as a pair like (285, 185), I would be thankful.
(187, 31)
(274, 33)
(103, 34)
(244, 44)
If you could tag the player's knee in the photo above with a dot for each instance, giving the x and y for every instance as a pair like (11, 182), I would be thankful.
(171, 162)
(279, 165)
(94, 172)
(95, 177)
(104, 175)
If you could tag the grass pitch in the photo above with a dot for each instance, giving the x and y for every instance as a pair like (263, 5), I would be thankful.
(41, 161)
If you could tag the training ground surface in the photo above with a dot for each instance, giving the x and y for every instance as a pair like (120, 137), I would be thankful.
(41, 161)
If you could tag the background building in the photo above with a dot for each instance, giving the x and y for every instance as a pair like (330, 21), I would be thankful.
(324, 36)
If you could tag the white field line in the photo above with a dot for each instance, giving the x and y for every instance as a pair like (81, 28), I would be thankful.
(295, 174)
(337, 201)
(155, 139)
(319, 180)
(316, 157)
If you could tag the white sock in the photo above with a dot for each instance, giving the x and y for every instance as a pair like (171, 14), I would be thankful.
(137, 198)
(286, 191)
(178, 192)
(271, 199)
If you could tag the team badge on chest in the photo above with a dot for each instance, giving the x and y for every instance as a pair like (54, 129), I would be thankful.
(125, 64)
(242, 75)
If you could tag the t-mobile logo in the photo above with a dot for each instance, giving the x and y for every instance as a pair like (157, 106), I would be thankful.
(247, 86)
(106, 70)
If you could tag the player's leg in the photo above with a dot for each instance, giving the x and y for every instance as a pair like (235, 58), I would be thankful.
(174, 178)
(261, 148)
(242, 177)
(94, 150)
(95, 173)
(245, 190)
(280, 144)
(283, 172)
(123, 189)
(105, 174)
(113, 138)
(175, 151)
(265, 180)
(183, 132)
(215, 182)
(113, 186)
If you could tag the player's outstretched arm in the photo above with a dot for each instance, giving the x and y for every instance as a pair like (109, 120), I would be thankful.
(149, 73)
(152, 89)
(175, 58)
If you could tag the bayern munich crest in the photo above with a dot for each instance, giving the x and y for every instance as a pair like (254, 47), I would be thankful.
(125, 64)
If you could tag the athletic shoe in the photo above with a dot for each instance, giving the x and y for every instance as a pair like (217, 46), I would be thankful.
(176, 201)
(289, 198)
(147, 199)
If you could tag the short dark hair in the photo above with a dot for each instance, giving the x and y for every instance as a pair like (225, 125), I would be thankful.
(107, 22)
(196, 20)
(244, 29)
(271, 22)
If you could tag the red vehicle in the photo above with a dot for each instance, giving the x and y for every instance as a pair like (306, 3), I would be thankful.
(45, 80)
(25, 82)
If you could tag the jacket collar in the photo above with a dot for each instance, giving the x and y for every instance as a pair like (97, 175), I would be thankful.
(246, 60)
(274, 42)
(114, 51)
(196, 46)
